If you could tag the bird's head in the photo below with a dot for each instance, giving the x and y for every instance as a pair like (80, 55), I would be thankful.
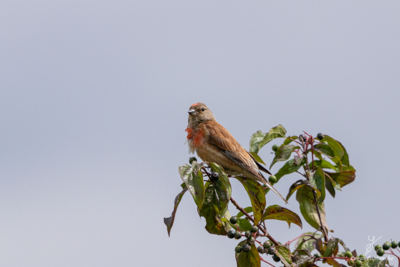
(199, 113)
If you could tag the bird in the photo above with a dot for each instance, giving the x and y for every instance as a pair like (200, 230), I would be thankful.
(213, 143)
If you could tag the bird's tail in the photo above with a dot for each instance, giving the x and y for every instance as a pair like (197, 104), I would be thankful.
(271, 187)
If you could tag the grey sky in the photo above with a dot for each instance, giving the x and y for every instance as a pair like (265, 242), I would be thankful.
(94, 99)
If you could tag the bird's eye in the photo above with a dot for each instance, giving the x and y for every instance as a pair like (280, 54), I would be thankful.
(202, 109)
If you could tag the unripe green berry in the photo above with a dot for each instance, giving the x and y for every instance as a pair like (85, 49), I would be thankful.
(358, 263)
(393, 244)
(238, 249)
(272, 179)
(377, 247)
(254, 229)
(348, 254)
(380, 252)
(275, 147)
(267, 244)
(317, 255)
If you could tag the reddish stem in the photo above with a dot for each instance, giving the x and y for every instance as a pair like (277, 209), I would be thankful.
(266, 261)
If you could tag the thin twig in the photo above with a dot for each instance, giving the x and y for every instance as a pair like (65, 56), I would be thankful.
(319, 216)
(266, 261)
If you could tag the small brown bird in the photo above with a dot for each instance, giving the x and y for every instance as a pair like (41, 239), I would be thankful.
(213, 143)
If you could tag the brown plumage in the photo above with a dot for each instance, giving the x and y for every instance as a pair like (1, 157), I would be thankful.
(213, 143)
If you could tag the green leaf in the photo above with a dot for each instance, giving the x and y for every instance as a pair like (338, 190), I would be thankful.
(258, 140)
(290, 139)
(338, 149)
(331, 247)
(317, 180)
(306, 242)
(256, 195)
(343, 178)
(344, 245)
(276, 212)
(308, 208)
(243, 224)
(283, 153)
(284, 254)
(323, 164)
(169, 222)
(289, 167)
(215, 205)
(246, 259)
(193, 178)
(329, 185)
(257, 158)
(374, 262)
(324, 149)
(294, 187)
(247, 209)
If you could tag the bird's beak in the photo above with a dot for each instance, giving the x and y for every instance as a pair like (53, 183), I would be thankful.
(191, 111)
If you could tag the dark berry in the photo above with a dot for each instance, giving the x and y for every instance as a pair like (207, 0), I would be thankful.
(238, 235)
(358, 263)
(378, 247)
(261, 250)
(238, 249)
(192, 159)
(275, 147)
(246, 247)
(272, 179)
(380, 252)
(214, 176)
(276, 258)
(231, 233)
(302, 138)
(393, 244)
(386, 245)
(254, 229)
(233, 220)
(317, 255)
(267, 244)
(348, 254)
(251, 241)
(320, 136)
(247, 234)
(271, 251)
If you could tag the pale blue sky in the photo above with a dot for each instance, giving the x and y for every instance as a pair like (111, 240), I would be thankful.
(94, 98)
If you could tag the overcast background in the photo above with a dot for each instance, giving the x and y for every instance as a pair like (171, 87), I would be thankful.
(94, 99)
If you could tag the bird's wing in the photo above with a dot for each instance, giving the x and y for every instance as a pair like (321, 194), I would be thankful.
(261, 167)
(224, 141)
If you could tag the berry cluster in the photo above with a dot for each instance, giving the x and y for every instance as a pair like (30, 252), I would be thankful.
(380, 250)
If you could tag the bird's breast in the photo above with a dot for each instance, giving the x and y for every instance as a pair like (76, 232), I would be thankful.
(195, 138)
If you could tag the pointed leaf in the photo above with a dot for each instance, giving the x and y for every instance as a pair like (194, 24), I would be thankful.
(258, 140)
(338, 149)
(294, 187)
(283, 153)
(331, 247)
(243, 224)
(277, 212)
(169, 222)
(247, 209)
(333, 262)
(215, 205)
(193, 178)
(343, 178)
(308, 209)
(306, 242)
(324, 149)
(323, 164)
(257, 158)
(290, 139)
(256, 195)
(284, 254)
(246, 259)
(318, 181)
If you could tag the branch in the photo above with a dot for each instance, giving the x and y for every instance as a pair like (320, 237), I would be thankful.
(251, 218)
